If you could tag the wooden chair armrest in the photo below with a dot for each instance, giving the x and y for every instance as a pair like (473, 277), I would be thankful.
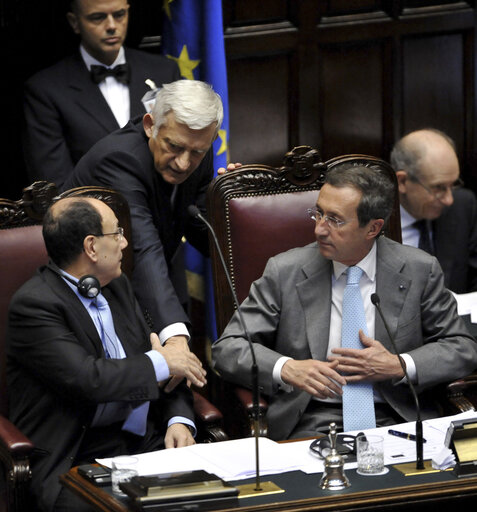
(209, 420)
(13, 440)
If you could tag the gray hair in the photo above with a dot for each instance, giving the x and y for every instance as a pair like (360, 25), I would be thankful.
(376, 186)
(406, 155)
(192, 102)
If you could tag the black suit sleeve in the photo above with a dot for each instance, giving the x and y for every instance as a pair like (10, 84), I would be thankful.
(56, 341)
(151, 282)
(46, 152)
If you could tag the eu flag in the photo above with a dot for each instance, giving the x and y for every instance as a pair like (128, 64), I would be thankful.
(193, 37)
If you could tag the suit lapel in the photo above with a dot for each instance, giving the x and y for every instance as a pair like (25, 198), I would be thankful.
(71, 302)
(314, 293)
(121, 321)
(137, 87)
(88, 96)
(392, 287)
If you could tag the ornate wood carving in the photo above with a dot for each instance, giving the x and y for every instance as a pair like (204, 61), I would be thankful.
(30, 208)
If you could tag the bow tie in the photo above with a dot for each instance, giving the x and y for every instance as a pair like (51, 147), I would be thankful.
(120, 72)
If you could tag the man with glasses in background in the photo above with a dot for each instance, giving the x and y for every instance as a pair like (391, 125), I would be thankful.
(314, 357)
(437, 214)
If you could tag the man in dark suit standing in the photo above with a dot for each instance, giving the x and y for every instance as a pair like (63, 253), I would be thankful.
(437, 215)
(161, 164)
(70, 106)
(83, 384)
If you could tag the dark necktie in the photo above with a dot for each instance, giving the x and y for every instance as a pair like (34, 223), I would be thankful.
(120, 72)
(425, 241)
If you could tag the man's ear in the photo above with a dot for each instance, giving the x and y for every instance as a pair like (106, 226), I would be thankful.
(73, 21)
(148, 124)
(374, 228)
(402, 180)
(89, 248)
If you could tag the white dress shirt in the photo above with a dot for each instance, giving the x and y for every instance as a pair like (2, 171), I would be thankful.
(410, 233)
(115, 93)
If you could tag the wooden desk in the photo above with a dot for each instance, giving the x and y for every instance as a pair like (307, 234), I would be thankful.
(391, 492)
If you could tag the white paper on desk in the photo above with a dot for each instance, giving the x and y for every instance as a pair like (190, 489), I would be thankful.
(396, 449)
(230, 460)
(166, 461)
(467, 305)
(235, 460)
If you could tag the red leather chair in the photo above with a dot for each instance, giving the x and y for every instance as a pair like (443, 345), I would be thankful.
(22, 250)
(257, 212)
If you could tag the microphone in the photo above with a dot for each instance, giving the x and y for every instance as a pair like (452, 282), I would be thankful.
(419, 436)
(195, 212)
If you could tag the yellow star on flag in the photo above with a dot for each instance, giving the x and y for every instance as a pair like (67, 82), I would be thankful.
(223, 138)
(186, 65)
(167, 9)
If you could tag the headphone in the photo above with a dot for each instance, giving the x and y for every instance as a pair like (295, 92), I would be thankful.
(88, 286)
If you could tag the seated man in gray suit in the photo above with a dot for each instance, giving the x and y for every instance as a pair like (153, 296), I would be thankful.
(437, 215)
(85, 375)
(294, 313)
(71, 105)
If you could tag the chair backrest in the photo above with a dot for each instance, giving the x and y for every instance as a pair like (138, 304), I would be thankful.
(259, 211)
(22, 249)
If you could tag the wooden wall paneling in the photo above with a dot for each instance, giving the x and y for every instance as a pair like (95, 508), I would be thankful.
(243, 12)
(259, 95)
(433, 84)
(351, 98)
(263, 80)
(469, 156)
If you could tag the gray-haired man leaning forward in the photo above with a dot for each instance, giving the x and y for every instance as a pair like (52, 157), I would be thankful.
(161, 163)
(296, 310)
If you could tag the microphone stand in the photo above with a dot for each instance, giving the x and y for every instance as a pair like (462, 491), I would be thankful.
(268, 487)
(419, 435)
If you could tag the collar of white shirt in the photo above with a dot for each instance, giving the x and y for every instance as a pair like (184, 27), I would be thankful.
(91, 61)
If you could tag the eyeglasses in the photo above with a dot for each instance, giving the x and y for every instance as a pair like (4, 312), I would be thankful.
(439, 191)
(345, 446)
(318, 216)
(118, 235)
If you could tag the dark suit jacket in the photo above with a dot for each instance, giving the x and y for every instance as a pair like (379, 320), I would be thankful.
(288, 313)
(57, 372)
(66, 113)
(455, 242)
(124, 162)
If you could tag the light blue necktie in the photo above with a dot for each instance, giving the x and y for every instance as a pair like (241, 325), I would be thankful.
(136, 422)
(358, 398)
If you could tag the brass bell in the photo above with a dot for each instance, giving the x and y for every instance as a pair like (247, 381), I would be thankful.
(334, 477)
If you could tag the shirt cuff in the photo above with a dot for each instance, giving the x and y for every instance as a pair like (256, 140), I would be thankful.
(277, 375)
(410, 369)
(185, 421)
(177, 329)
(160, 365)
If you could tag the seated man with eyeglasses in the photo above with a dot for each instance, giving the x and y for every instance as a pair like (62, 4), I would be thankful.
(85, 374)
(323, 353)
(437, 215)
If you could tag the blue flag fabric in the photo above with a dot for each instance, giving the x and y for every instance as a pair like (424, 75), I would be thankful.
(192, 36)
